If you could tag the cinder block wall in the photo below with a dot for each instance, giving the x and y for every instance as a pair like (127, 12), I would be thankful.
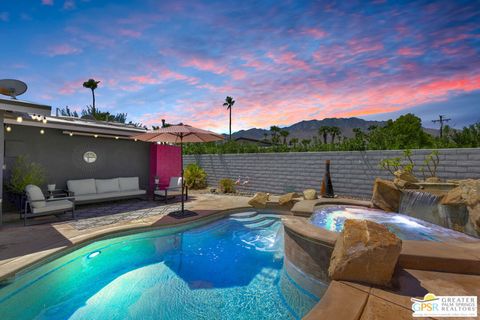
(353, 172)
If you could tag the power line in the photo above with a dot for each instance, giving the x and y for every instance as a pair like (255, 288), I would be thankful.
(441, 120)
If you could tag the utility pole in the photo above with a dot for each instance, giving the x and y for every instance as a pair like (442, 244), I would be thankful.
(441, 119)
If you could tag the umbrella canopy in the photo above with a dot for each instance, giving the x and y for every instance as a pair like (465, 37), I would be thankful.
(179, 134)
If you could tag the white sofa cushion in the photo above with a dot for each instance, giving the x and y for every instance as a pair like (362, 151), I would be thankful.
(83, 186)
(57, 205)
(130, 183)
(109, 195)
(107, 185)
(36, 195)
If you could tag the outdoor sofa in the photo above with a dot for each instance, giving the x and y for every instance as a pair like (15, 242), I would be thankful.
(98, 190)
(37, 205)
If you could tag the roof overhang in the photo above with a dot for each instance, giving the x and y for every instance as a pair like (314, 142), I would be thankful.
(75, 125)
(24, 107)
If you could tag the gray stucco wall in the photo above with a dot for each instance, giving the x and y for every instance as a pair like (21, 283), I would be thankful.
(62, 155)
(352, 172)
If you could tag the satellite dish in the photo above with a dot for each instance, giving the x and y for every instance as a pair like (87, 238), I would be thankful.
(12, 88)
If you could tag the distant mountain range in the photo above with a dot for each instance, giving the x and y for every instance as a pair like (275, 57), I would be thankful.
(308, 128)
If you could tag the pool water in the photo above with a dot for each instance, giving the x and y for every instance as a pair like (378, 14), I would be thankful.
(228, 269)
(332, 218)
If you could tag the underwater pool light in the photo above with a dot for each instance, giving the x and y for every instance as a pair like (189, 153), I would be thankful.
(93, 254)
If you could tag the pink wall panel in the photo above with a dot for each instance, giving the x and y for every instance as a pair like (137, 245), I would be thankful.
(165, 162)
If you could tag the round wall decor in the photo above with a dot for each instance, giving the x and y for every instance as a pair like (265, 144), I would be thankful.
(90, 157)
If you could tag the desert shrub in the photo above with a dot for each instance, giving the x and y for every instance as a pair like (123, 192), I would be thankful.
(226, 185)
(195, 177)
(25, 172)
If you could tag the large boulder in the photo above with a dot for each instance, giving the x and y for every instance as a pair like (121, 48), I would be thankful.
(386, 195)
(310, 194)
(405, 176)
(259, 200)
(365, 251)
(468, 194)
(453, 197)
(405, 180)
(287, 199)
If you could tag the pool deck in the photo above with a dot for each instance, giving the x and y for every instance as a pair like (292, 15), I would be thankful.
(21, 247)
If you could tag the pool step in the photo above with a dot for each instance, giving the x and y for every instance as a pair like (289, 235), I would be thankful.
(243, 215)
(207, 228)
(261, 223)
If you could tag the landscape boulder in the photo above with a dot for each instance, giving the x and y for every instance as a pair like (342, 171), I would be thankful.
(433, 179)
(287, 199)
(468, 194)
(310, 194)
(259, 200)
(405, 176)
(365, 251)
(386, 195)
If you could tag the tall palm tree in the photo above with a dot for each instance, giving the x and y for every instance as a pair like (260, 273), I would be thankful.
(275, 132)
(324, 131)
(229, 102)
(284, 134)
(92, 85)
(335, 132)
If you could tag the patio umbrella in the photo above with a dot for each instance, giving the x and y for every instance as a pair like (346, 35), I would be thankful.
(179, 134)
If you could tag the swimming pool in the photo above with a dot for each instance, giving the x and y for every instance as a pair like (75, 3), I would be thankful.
(228, 269)
(332, 218)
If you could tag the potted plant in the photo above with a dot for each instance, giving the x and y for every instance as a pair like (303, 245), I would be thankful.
(24, 172)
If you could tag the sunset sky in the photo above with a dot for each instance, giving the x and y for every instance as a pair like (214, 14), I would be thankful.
(282, 61)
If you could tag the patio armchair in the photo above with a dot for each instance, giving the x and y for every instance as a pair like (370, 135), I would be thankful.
(174, 189)
(40, 206)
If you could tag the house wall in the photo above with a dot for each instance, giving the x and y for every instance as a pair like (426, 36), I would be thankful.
(62, 156)
(352, 172)
(165, 162)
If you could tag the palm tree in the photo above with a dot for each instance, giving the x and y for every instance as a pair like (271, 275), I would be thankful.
(294, 142)
(92, 85)
(306, 142)
(335, 131)
(275, 131)
(324, 131)
(229, 102)
(284, 134)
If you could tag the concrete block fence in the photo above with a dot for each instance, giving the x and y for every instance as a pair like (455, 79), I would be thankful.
(353, 172)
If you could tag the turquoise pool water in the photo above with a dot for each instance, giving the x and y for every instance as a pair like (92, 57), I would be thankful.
(332, 218)
(228, 269)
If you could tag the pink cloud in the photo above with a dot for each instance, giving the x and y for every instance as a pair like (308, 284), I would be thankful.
(129, 33)
(288, 58)
(376, 63)
(409, 52)
(205, 65)
(314, 33)
(71, 87)
(162, 75)
(238, 74)
(47, 2)
(62, 50)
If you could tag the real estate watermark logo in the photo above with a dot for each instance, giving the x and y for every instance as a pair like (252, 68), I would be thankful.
(444, 306)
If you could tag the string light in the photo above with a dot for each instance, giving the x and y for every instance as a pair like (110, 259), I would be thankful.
(19, 119)
(42, 131)
(9, 128)
(71, 134)
(96, 136)
(44, 120)
(135, 140)
(116, 138)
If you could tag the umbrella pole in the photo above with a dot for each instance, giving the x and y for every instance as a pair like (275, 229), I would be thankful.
(181, 163)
